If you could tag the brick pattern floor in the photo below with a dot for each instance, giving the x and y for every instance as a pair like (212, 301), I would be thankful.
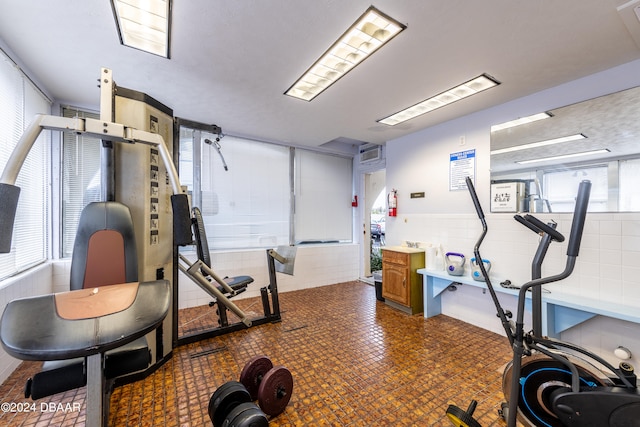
(355, 362)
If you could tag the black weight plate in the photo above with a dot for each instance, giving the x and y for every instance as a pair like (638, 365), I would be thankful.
(246, 415)
(461, 418)
(224, 399)
(253, 372)
(275, 390)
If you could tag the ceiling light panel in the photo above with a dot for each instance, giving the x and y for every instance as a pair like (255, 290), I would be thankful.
(144, 24)
(368, 34)
(472, 87)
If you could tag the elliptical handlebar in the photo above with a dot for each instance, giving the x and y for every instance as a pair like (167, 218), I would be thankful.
(577, 226)
(474, 197)
(543, 228)
(476, 248)
(527, 224)
(580, 212)
(516, 336)
(504, 319)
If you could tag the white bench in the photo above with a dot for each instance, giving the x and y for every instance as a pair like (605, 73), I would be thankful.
(559, 312)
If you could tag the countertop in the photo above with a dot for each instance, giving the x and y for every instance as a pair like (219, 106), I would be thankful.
(403, 249)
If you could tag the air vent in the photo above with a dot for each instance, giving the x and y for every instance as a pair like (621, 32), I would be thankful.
(370, 153)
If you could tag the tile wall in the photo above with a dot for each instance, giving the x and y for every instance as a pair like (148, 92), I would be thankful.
(608, 269)
(315, 265)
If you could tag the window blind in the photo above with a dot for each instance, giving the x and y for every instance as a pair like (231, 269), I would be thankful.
(323, 188)
(250, 204)
(80, 177)
(629, 178)
(247, 205)
(19, 102)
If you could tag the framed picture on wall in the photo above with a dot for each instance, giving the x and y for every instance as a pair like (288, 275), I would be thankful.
(461, 165)
(507, 196)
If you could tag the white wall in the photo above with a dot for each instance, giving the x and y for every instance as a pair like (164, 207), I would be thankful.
(37, 281)
(607, 267)
(315, 265)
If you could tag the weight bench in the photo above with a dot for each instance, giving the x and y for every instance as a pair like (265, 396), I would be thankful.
(223, 289)
(238, 284)
(104, 254)
(200, 272)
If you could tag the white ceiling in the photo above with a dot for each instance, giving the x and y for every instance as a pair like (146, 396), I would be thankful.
(231, 61)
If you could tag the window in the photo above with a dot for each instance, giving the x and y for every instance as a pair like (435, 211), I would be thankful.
(629, 178)
(80, 177)
(323, 197)
(562, 188)
(246, 205)
(20, 101)
(250, 204)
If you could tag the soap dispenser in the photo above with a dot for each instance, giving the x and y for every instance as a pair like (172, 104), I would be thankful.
(440, 259)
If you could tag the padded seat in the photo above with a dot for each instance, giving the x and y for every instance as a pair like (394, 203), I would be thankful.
(104, 253)
(237, 283)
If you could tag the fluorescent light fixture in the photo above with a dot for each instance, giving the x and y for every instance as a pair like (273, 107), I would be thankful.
(144, 24)
(477, 85)
(521, 121)
(564, 156)
(369, 33)
(539, 144)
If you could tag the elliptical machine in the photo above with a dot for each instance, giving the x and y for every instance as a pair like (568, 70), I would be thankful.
(550, 382)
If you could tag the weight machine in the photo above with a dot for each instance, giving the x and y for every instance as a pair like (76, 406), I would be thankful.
(138, 172)
(281, 260)
(81, 337)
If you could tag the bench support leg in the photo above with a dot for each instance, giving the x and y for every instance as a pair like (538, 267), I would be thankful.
(95, 404)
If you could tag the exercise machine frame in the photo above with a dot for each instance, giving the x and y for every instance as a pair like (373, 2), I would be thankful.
(106, 130)
(222, 299)
(572, 390)
(222, 289)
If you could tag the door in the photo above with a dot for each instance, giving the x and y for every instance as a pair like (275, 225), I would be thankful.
(374, 206)
(395, 284)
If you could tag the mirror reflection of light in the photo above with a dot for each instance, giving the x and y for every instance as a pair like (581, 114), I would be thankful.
(539, 144)
(564, 156)
(610, 121)
(521, 121)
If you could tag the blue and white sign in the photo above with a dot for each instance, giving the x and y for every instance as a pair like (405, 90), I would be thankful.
(461, 165)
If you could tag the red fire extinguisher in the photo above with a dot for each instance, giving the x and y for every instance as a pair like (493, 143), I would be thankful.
(393, 203)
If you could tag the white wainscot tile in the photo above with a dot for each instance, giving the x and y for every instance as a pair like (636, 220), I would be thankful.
(610, 242)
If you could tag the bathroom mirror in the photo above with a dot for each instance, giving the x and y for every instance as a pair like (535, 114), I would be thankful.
(537, 166)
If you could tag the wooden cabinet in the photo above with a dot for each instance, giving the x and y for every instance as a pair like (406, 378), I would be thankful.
(401, 284)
